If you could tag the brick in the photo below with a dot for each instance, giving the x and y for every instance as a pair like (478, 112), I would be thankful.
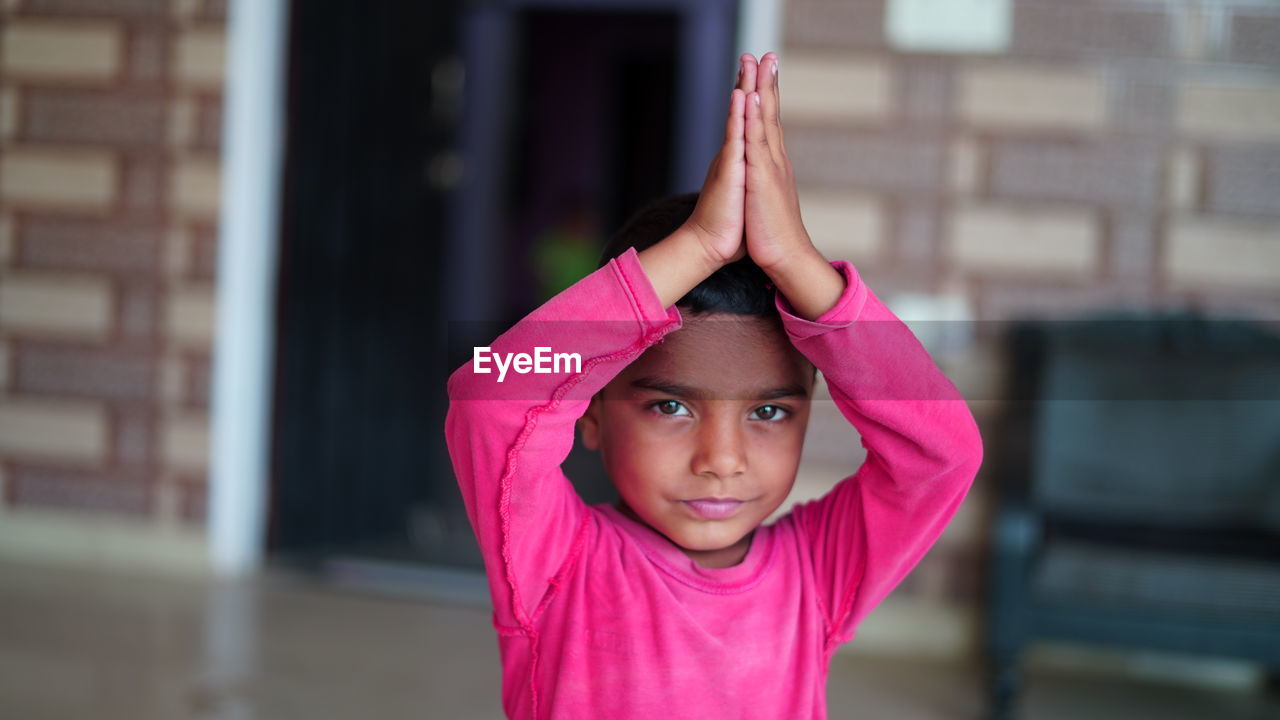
(833, 88)
(173, 380)
(52, 242)
(1255, 39)
(1007, 237)
(7, 252)
(1182, 179)
(1223, 251)
(209, 123)
(191, 315)
(182, 122)
(965, 162)
(1133, 246)
(61, 50)
(1142, 100)
(844, 24)
(195, 187)
(119, 492)
(198, 379)
(92, 116)
(140, 303)
(186, 441)
(135, 438)
(67, 179)
(148, 56)
(88, 8)
(60, 430)
(1078, 29)
(204, 253)
(176, 251)
(6, 375)
(200, 57)
(1243, 179)
(1031, 97)
(1123, 174)
(184, 10)
(8, 113)
(214, 9)
(69, 305)
(876, 161)
(844, 225)
(916, 235)
(926, 87)
(195, 508)
(62, 369)
(142, 190)
(1230, 112)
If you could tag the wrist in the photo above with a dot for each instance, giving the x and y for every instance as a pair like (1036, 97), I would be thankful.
(809, 283)
(694, 235)
(792, 267)
(677, 263)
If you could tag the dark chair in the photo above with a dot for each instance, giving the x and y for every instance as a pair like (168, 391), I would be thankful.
(1139, 491)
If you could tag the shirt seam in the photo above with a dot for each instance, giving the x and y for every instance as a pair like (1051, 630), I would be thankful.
(504, 502)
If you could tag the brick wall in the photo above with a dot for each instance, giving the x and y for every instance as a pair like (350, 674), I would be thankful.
(109, 131)
(1122, 153)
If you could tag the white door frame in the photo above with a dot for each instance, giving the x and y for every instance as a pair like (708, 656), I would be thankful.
(248, 240)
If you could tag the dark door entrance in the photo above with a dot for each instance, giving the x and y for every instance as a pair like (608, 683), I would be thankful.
(432, 149)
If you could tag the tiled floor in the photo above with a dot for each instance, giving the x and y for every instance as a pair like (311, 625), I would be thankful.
(89, 645)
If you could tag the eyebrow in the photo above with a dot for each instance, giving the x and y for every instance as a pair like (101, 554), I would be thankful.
(685, 391)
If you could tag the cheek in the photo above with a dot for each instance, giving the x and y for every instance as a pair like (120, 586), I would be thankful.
(638, 452)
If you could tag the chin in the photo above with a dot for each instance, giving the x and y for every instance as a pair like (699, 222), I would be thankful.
(713, 540)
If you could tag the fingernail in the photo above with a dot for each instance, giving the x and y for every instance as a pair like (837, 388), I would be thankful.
(757, 97)
(775, 67)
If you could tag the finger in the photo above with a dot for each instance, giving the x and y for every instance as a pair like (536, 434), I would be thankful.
(737, 121)
(770, 102)
(748, 70)
(731, 119)
(757, 143)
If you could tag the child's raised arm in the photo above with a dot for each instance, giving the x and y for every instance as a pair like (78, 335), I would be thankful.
(923, 447)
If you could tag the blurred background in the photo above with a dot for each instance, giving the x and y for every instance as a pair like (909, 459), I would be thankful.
(242, 247)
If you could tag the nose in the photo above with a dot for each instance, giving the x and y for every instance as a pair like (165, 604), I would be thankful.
(722, 449)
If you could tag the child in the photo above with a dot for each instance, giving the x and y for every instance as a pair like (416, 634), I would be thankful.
(695, 381)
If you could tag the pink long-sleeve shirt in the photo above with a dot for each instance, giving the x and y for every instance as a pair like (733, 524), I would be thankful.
(599, 616)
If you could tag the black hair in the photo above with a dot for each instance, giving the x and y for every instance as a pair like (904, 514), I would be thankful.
(739, 288)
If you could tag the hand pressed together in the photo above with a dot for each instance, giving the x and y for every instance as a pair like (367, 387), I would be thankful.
(749, 205)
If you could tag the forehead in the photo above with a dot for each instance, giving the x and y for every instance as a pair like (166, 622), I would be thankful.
(725, 356)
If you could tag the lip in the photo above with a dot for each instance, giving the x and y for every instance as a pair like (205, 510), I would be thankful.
(714, 508)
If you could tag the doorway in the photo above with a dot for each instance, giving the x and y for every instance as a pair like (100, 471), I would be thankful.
(433, 149)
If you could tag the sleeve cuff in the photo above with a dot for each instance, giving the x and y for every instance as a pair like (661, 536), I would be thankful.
(846, 310)
(646, 303)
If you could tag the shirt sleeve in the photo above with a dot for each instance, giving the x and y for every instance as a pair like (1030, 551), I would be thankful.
(507, 438)
(923, 452)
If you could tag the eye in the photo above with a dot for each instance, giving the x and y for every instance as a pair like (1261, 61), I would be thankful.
(771, 413)
(670, 407)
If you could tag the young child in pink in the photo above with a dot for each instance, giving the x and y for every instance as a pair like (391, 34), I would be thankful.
(697, 344)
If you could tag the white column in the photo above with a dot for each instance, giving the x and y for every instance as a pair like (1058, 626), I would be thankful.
(760, 27)
(252, 151)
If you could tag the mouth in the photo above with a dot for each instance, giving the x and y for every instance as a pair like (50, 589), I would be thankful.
(714, 508)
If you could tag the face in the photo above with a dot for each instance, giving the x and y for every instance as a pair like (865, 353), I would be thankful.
(718, 409)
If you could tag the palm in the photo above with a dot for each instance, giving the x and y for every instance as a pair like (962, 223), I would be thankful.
(769, 223)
